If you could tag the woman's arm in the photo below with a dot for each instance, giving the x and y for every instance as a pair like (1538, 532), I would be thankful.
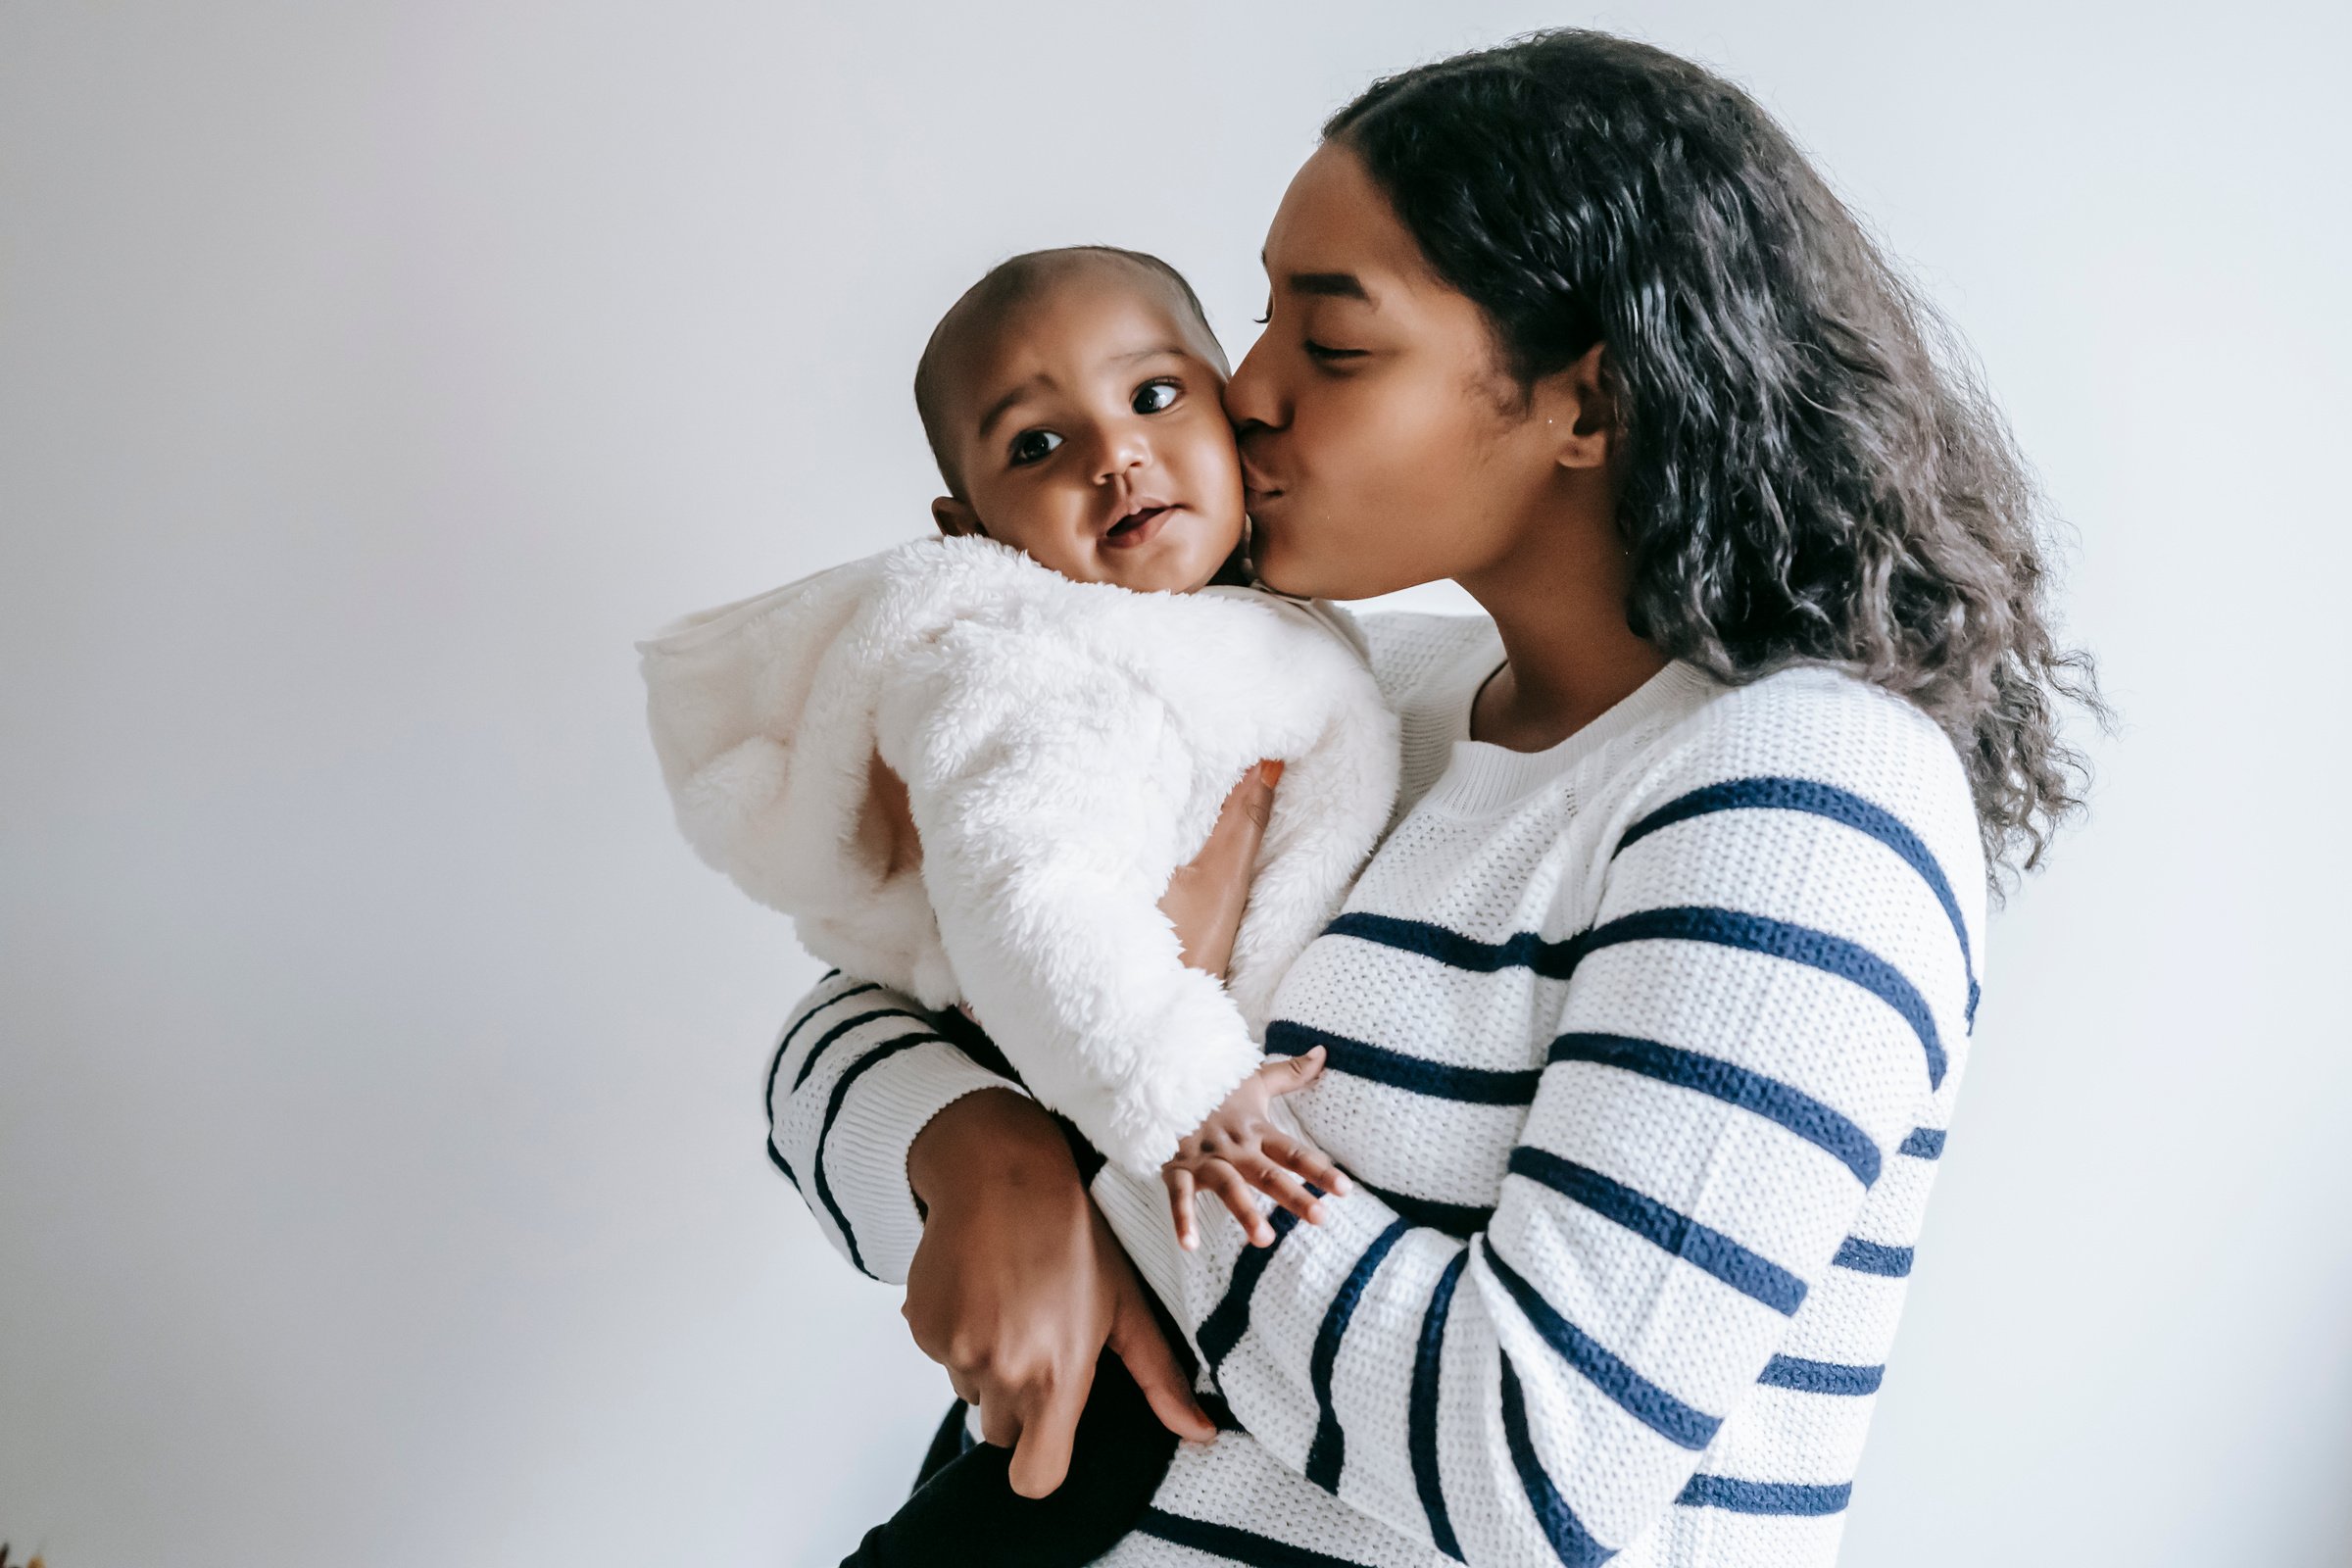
(1750, 1028)
(876, 1117)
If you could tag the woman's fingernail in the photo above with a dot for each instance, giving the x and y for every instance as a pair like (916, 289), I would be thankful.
(1269, 771)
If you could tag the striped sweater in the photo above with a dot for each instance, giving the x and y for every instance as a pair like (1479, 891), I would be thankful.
(1641, 1049)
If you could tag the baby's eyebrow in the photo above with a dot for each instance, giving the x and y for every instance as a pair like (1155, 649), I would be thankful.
(996, 411)
(1165, 348)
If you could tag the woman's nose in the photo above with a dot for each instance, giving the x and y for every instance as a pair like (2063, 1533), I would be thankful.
(1252, 400)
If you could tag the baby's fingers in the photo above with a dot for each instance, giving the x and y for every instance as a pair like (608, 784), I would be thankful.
(1292, 1073)
(1179, 1206)
(1309, 1161)
(1281, 1186)
(1226, 1182)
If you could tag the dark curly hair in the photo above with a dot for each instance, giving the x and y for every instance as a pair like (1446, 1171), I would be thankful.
(1813, 474)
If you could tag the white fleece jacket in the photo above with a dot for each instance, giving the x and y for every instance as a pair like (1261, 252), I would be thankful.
(1065, 747)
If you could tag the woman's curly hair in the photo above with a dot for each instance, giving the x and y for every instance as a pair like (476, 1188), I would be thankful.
(1812, 471)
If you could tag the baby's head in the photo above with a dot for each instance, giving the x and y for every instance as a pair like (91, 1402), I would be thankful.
(1072, 398)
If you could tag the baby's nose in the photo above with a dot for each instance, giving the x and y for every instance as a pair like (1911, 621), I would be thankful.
(1125, 449)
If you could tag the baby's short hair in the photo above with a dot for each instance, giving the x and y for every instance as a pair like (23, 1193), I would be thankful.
(1005, 286)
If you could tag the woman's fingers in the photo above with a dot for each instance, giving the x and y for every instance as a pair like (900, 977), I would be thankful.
(1281, 1186)
(1206, 898)
(1041, 1458)
(1180, 1207)
(999, 1424)
(1138, 1342)
(1307, 1162)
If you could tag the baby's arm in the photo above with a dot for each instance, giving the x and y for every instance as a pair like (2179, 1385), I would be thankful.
(1238, 1148)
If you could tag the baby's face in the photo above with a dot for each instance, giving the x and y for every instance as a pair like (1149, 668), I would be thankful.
(1091, 435)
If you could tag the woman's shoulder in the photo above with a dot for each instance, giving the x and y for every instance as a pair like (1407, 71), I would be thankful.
(1820, 735)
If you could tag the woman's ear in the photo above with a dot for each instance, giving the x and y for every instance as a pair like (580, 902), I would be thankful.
(957, 519)
(1580, 408)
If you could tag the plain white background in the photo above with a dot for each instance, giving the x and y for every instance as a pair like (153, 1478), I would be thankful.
(380, 1177)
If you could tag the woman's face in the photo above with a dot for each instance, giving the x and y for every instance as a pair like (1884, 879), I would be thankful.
(1383, 444)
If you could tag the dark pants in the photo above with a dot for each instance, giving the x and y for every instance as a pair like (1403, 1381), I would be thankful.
(965, 1513)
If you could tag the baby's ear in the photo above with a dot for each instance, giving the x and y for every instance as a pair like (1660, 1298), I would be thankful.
(957, 519)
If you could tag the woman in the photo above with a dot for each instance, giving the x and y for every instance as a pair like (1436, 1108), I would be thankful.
(1643, 1025)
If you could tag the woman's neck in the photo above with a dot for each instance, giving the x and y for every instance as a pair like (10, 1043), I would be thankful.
(1569, 655)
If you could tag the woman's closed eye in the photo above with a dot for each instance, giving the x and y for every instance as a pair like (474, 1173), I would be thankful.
(1327, 354)
(1156, 397)
(1032, 446)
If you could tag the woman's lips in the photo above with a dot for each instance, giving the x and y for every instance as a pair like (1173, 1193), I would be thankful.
(1136, 528)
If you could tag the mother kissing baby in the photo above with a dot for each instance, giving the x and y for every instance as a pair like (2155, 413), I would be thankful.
(1641, 1026)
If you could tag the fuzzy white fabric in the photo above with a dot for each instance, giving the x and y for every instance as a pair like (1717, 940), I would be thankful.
(1065, 747)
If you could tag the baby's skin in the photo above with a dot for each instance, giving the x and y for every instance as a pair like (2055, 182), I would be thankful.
(1074, 402)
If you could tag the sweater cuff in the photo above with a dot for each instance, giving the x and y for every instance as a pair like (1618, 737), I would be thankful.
(1137, 1208)
(865, 1157)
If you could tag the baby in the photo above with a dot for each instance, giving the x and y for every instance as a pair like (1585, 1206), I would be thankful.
(1072, 401)
(969, 767)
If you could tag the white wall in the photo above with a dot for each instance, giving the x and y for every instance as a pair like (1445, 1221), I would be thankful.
(380, 1077)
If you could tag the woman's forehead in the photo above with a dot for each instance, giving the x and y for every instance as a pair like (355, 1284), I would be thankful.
(1336, 236)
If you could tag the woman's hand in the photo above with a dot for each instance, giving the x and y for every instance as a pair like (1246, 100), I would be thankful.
(1206, 898)
(1018, 1285)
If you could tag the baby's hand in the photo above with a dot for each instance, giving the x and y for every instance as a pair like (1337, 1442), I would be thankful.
(1239, 1148)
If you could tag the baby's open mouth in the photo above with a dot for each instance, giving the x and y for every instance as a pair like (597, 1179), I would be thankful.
(1137, 526)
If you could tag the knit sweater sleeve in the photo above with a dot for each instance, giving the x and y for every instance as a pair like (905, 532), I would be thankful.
(858, 1072)
(1753, 1021)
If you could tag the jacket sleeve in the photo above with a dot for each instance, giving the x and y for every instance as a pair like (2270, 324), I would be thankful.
(1753, 1021)
(1053, 802)
(857, 1073)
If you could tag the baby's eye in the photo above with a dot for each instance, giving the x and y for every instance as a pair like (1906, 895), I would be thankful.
(1033, 446)
(1155, 397)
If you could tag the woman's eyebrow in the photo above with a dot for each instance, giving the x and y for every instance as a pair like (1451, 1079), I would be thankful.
(1330, 286)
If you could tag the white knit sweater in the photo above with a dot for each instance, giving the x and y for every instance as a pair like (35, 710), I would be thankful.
(1642, 1047)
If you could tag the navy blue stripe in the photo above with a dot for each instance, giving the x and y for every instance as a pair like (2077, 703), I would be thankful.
(1228, 1319)
(802, 1022)
(1764, 1496)
(1781, 939)
(1522, 950)
(1459, 1220)
(825, 1041)
(1480, 1085)
(1821, 1377)
(777, 1065)
(1872, 1257)
(1925, 1143)
(1327, 1454)
(1707, 1249)
(1838, 805)
(841, 1089)
(1641, 1398)
(1233, 1543)
(776, 1156)
(1776, 1101)
(1571, 1542)
(1421, 1416)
